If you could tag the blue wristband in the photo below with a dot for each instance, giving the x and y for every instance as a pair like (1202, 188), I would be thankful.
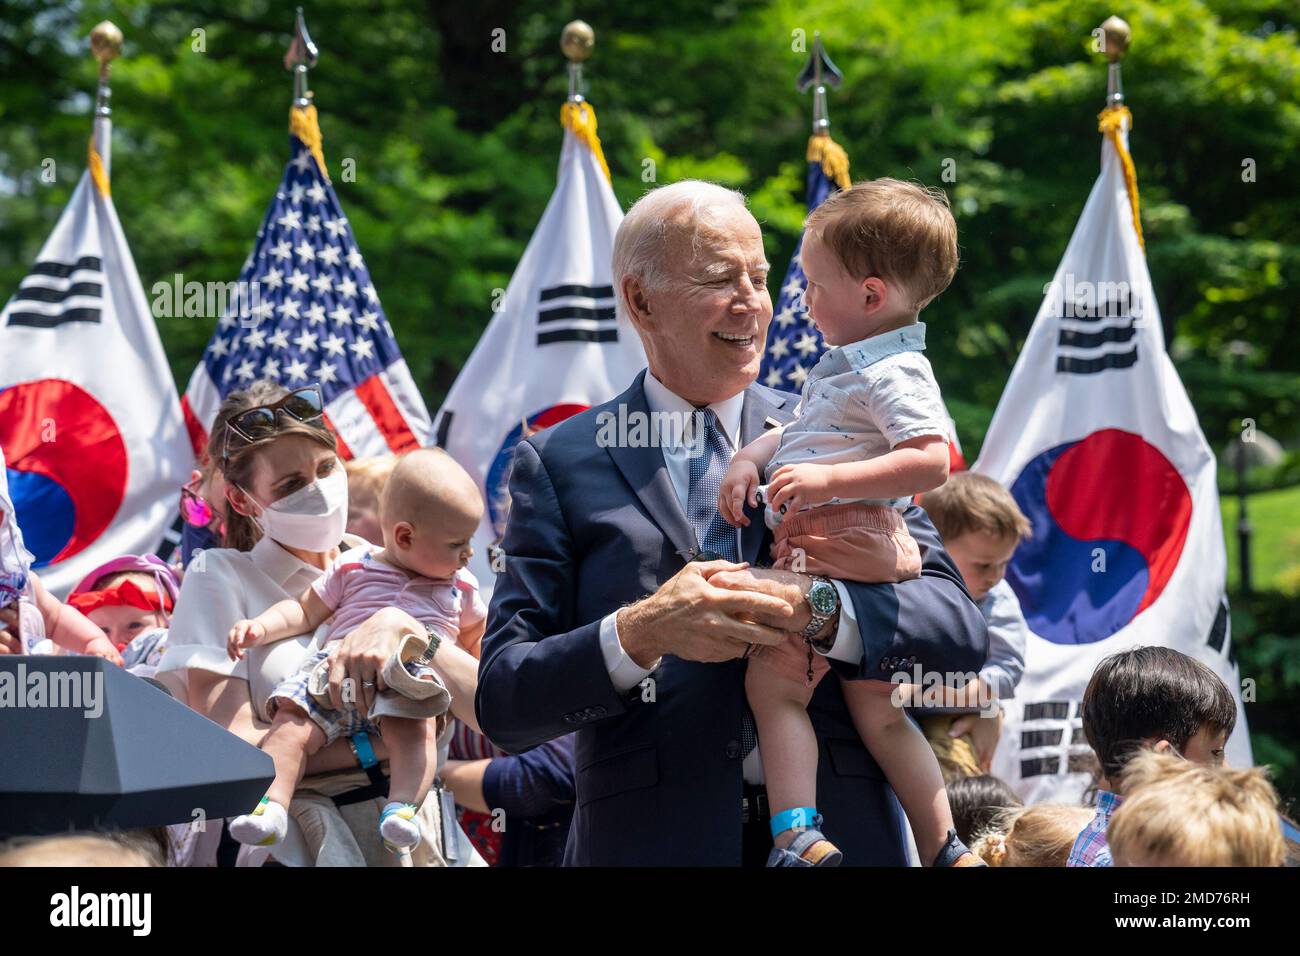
(795, 817)
(363, 749)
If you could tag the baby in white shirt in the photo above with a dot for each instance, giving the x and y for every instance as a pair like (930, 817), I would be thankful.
(870, 432)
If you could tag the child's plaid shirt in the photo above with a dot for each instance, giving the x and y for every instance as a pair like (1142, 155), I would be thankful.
(1090, 847)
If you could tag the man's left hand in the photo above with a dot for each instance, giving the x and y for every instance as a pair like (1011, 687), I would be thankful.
(787, 585)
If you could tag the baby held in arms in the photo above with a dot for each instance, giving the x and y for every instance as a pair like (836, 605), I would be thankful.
(870, 432)
(429, 510)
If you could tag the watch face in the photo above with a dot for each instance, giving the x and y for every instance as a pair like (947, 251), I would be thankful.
(823, 598)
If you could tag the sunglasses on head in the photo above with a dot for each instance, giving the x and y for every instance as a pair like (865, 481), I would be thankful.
(262, 421)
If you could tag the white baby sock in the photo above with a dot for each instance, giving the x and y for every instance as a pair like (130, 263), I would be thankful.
(265, 826)
(399, 827)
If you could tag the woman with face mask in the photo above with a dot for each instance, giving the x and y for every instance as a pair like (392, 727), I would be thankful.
(286, 511)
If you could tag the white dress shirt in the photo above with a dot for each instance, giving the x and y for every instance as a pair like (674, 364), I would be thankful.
(626, 673)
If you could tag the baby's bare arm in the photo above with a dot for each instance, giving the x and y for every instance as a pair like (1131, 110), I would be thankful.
(761, 449)
(910, 468)
(289, 618)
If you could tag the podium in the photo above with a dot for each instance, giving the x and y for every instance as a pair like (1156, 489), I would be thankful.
(86, 746)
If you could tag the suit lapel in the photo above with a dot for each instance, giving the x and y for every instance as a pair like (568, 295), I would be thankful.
(647, 475)
(761, 409)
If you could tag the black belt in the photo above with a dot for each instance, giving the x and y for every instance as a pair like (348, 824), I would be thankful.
(377, 787)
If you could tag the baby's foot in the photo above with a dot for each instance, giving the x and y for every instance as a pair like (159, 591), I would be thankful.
(265, 826)
(808, 848)
(399, 827)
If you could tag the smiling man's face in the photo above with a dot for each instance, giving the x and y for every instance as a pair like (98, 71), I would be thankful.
(705, 326)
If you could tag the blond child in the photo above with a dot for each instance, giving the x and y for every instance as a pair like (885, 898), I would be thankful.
(870, 432)
(1040, 835)
(429, 510)
(1180, 813)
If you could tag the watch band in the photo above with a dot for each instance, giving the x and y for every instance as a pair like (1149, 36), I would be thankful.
(435, 639)
(818, 620)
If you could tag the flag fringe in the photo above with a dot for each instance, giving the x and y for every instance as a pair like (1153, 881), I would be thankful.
(580, 120)
(1112, 121)
(97, 172)
(304, 125)
(835, 161)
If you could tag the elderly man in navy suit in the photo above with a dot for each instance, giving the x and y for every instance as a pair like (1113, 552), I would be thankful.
(623, 613)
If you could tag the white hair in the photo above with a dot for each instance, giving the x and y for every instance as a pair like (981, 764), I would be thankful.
(642, 237)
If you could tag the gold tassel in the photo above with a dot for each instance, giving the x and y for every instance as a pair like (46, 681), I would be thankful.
(1112, 121)
(303, 124)
(835, 162)
(580, 120)
(97, 172)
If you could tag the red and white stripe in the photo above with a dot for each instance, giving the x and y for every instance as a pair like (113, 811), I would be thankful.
(383, 415)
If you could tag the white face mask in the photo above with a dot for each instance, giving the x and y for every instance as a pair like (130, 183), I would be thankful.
(313, 518)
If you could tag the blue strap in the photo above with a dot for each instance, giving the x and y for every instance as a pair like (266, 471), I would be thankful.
(365, 751)
(795, 817)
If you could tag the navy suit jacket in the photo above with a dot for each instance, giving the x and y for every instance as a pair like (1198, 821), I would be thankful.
(659, 780)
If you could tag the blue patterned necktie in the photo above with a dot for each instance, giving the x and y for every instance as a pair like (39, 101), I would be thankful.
(707, 469)
(711, 530)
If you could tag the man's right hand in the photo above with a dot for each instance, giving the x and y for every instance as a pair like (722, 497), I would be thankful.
(696, 621)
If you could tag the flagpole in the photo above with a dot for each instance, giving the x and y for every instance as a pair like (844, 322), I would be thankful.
(577, 115)
(1117, 35)
(819, 73)
(106, 45)
(576, 40)
(301, 55)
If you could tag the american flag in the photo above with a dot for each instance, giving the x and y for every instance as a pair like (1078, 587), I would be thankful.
(793, 343)
(313, 316)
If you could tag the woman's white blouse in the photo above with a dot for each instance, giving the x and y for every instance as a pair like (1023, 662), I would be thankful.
(222, 586)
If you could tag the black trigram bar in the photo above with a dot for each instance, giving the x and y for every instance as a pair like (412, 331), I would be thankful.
(586, 291)
(576, 312)
(40, 293)
(1088, 340)
(1039, 766)
(1047, 710)
(38, 320)
(61, 270)
(1039, 738)
(577, 335)
(1082, 366)
(44, 294)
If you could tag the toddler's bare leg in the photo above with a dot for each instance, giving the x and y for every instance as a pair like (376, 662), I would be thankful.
(780, 707)
(412, 757)
(907, 760)
(292, 738)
